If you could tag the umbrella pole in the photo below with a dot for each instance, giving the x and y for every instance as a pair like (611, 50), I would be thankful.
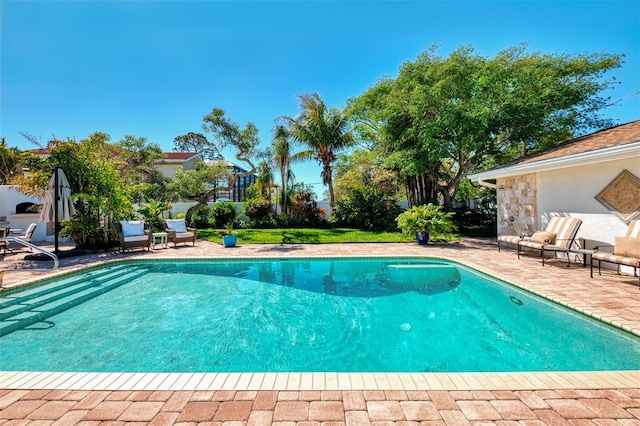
(56, 224)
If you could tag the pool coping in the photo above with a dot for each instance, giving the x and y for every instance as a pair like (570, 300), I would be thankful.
(330, 380)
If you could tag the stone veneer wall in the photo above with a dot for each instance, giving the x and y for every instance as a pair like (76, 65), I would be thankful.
(516, 198)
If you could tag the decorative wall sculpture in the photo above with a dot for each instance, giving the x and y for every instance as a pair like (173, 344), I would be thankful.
(622, 196)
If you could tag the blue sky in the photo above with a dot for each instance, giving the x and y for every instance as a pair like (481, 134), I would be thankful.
(154, 68)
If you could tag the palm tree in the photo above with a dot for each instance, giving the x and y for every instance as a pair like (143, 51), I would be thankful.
(283, 158)
(264, 179)
(323, 131)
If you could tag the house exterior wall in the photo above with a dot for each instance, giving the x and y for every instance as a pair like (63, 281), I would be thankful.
(516, 199)
(572, 191)
(10, 197)
(167, 169)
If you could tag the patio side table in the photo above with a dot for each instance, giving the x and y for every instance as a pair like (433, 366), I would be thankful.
(160, 238)
(584, 252)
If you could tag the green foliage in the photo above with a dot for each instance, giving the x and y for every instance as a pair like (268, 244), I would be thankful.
(306, 213)
(425, 218)
(137, 168)
(264, 179)
(10, 163)
(260, 213)
(281, 146)
(84, 227)
(201, 218)
(324, 131)
(364, 169)
(445, 117)
(101, 197)
(196, 142)
(153, 213)
(223, 213)
(366, 208)
(203, 183)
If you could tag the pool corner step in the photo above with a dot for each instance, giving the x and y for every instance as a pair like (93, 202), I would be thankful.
(24, 314)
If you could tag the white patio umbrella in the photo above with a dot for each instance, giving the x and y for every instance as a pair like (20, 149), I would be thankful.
(57, 190)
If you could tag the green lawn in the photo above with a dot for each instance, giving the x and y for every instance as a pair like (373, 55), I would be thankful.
(310, 236)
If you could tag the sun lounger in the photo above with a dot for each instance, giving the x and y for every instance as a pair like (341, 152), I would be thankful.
(557, 237)
(626, 251)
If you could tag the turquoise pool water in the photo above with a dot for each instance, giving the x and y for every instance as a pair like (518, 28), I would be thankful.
(402, 315)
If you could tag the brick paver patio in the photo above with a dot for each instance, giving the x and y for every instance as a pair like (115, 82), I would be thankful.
(479, 399)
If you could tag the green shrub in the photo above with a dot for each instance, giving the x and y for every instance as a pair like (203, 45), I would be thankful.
(200, 218)
(153, 213)
(367, 209)
(222, 213)
(305, 213)
(426, 218)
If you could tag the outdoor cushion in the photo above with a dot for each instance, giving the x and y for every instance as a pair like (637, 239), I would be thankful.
(543, 237)
(132, 228)
(177, 225)
(628, 247)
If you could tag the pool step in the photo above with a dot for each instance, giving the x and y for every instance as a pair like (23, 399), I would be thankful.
(21, 295)
(30, 297)
(34, 308)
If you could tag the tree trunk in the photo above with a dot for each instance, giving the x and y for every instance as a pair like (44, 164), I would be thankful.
(201, 204)
(422, 189)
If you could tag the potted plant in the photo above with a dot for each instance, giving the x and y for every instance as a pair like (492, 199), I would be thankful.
(230, 237)
(424, 220)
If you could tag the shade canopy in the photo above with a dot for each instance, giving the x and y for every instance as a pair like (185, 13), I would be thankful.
(65, 206)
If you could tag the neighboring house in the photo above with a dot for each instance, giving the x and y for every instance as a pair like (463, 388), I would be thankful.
(175, 160)
(237, 194)
(594, 177)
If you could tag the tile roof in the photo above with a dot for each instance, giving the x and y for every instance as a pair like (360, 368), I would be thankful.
(614, 136)
(171, 156)
(179, 155)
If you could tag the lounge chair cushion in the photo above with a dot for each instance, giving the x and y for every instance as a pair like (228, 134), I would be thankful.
(511, 239)
(177, 225)
(544, 237)
(142, 239)
(132, 228)
(627, 247)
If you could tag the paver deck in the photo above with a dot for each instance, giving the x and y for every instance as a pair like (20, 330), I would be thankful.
(563, 398)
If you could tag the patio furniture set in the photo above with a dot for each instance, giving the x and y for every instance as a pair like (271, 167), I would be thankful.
(559, 236)
(136, 234)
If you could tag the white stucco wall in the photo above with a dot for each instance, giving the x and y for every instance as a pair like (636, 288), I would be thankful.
(9, 198)
(573, 190)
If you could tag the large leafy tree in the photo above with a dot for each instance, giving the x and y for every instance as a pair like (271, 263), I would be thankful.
(443, 118)
(138, 169)
(324, 131)
(100, 195)
(365, 169)
(205, 181)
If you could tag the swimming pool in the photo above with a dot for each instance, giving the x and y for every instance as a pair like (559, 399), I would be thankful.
(409, 315)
